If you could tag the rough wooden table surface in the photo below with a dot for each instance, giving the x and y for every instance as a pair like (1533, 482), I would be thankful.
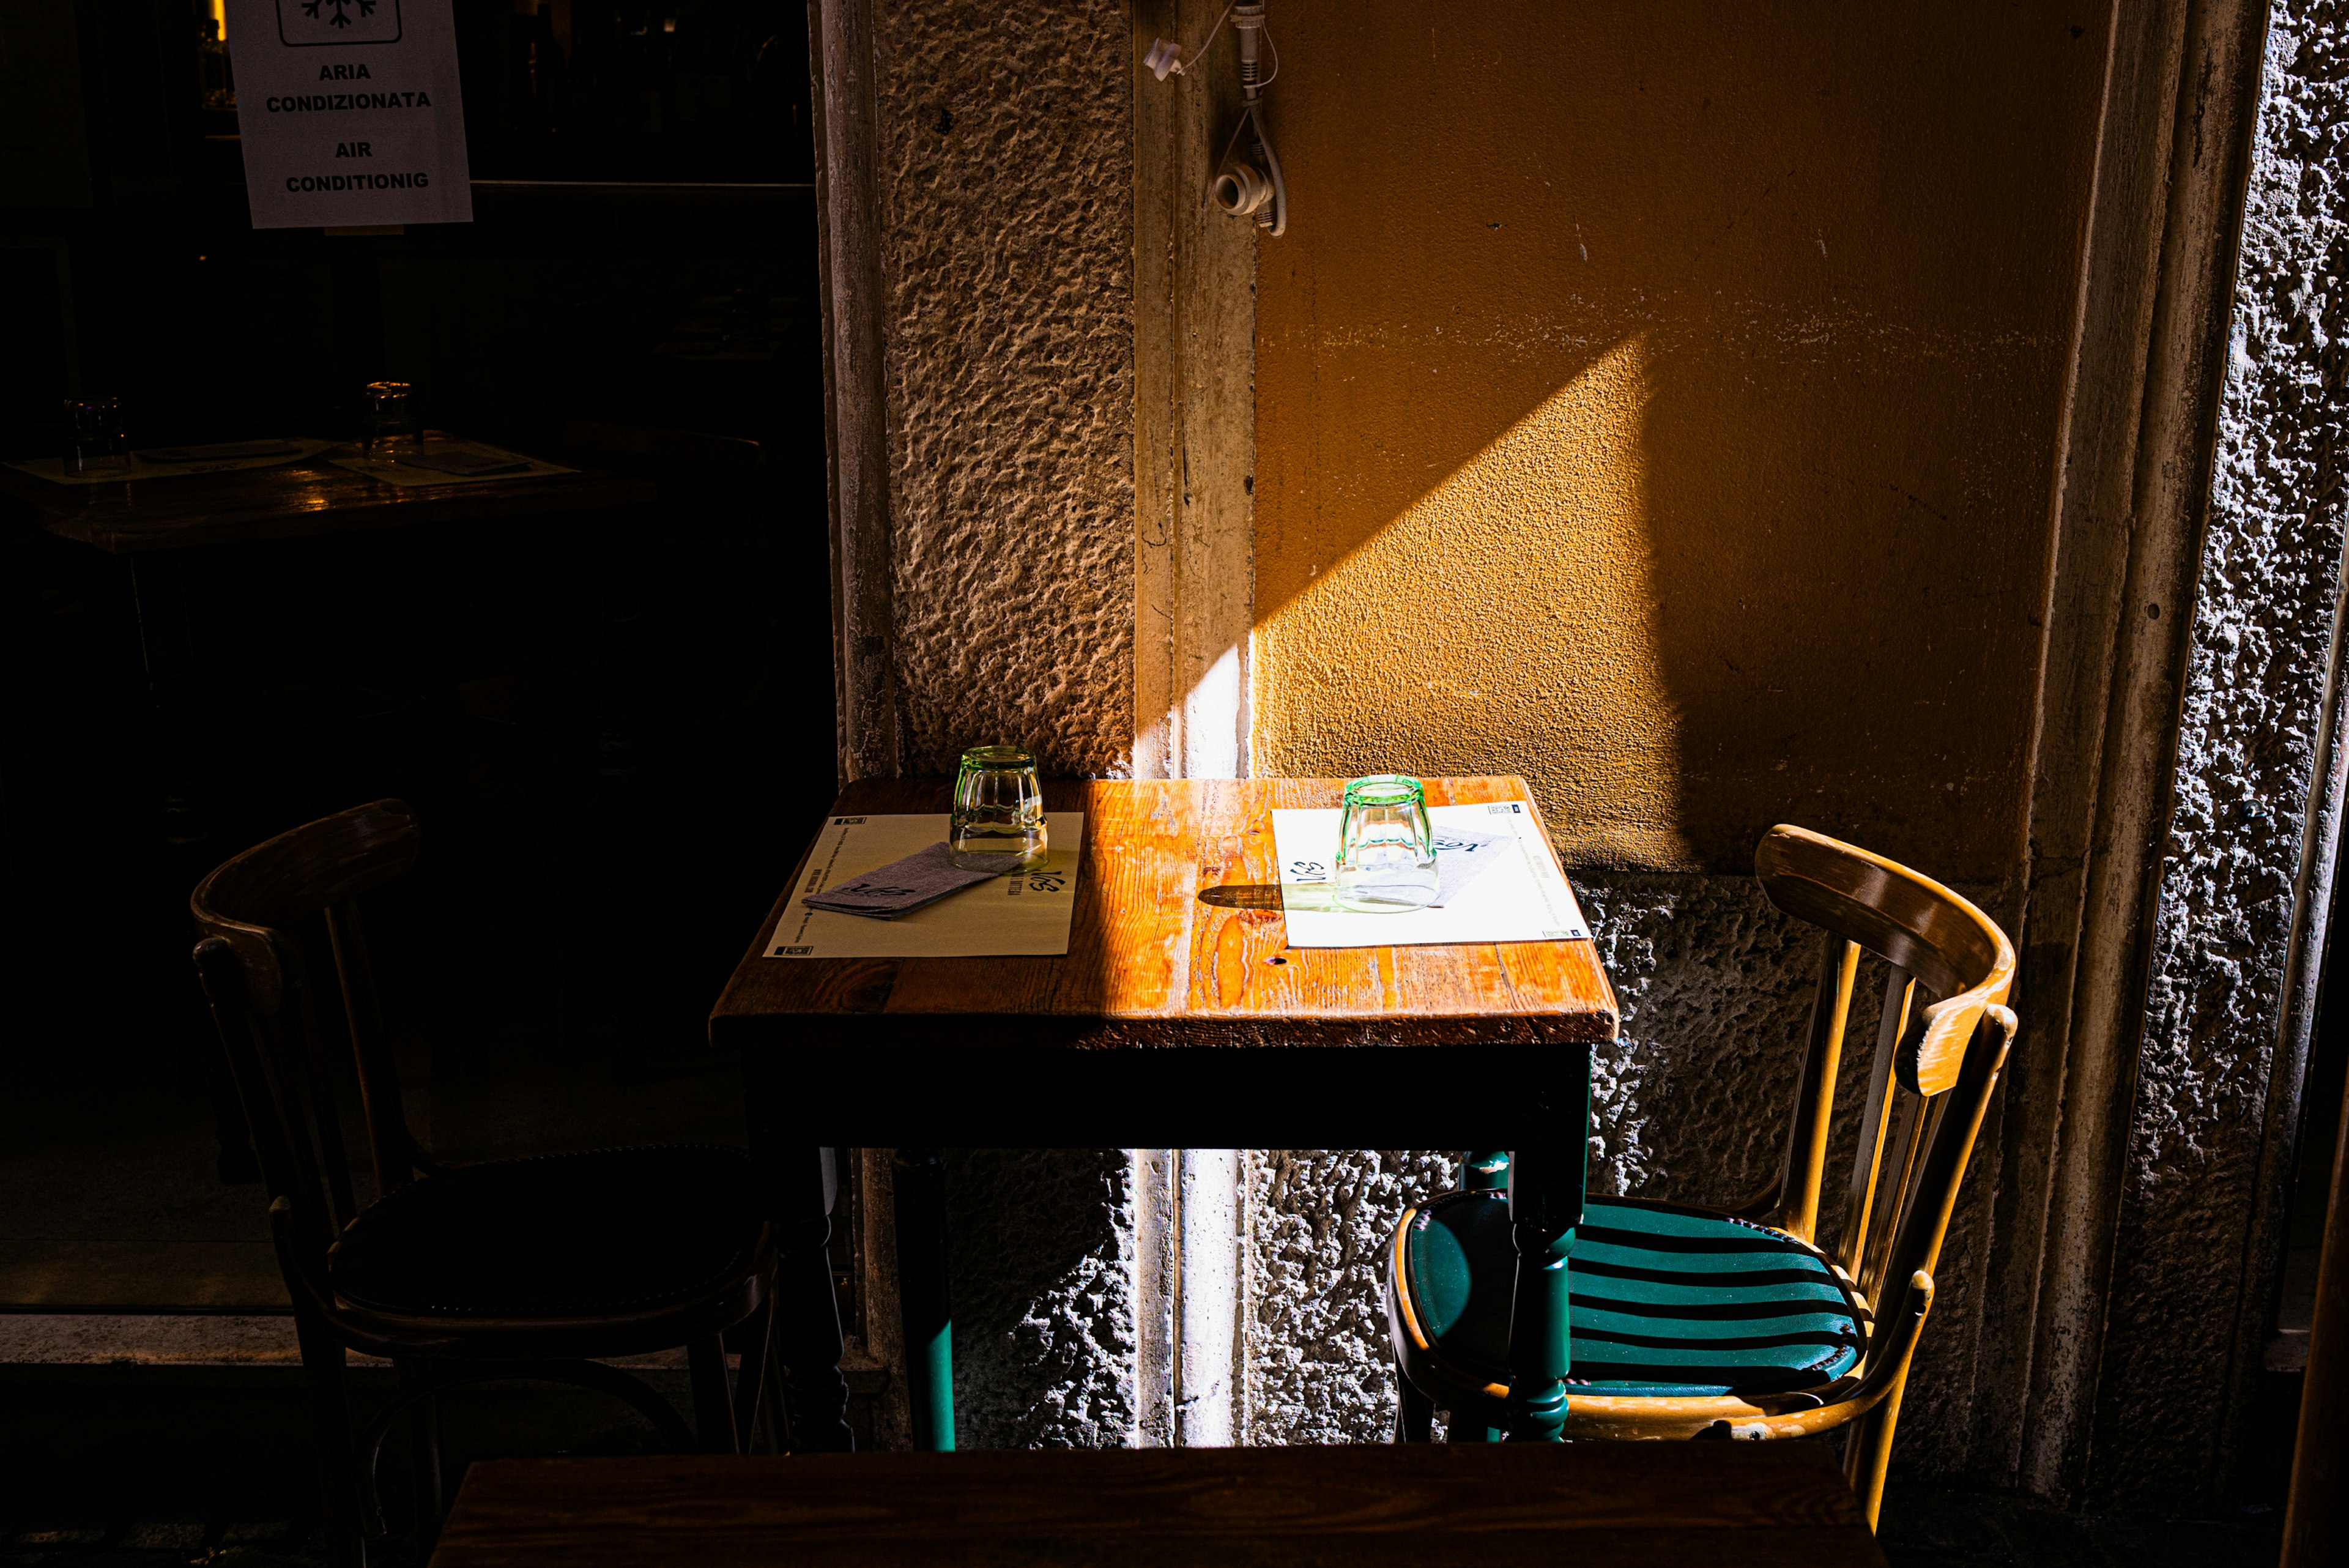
(1179, 982)
(295, 500)
(1178, 937)
(1591, 1505)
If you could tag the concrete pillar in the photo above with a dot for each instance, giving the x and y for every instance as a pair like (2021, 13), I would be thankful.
(1207, 1298)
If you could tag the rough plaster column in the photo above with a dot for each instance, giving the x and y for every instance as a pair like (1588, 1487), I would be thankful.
(2131, 490)
(2248, 863)
(977, 172)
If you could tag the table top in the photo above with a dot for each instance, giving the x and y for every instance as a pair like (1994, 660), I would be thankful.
(1177, 938)
(293, 500)
(1596, 1505)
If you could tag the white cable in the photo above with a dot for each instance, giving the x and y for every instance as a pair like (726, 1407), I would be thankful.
(1201, 53)
(1280, 224)
(1244, 190)
(1166, 58)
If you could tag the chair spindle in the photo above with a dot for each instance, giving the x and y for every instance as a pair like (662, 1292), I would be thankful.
(1806, 1143)
(319, 1096)
(393, 1145)
(1851, 1249)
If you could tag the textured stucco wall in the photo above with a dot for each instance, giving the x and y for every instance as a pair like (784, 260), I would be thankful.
(2270, 567)
(1044, 1331)
(1006, 194)
(1660, 402)
(1689, 1104)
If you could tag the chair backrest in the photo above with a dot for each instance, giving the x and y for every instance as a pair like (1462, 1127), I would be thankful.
(249, 914)
(1944, 1028)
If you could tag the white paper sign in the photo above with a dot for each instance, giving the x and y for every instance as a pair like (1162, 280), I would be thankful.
(349, 113)
(1028, 913)
(1521, 898)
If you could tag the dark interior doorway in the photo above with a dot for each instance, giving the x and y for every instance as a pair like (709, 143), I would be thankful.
(616, 728)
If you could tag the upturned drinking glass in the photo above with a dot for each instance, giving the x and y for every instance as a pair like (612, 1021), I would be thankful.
(997, 820)
(96, 440)
(1386, 847)
(392, 425)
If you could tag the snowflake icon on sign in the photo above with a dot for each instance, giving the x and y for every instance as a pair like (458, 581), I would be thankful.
(310, 23)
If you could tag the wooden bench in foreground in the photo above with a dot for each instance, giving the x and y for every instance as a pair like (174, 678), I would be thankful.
(1590, 1505)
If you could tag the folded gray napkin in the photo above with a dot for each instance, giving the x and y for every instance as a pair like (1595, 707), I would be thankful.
(464, 464)
(1462, 857)
(920, 879)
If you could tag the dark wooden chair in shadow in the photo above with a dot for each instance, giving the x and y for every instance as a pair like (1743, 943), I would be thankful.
(1687, 1322)
(517, 1269)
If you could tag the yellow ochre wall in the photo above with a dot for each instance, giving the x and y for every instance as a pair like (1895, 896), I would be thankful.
(1661, 401)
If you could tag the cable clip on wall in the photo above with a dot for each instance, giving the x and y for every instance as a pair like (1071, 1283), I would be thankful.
(1244, 187)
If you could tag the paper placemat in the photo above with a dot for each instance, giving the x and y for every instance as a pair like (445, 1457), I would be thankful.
(53, 469)
(1003, 916)
(393, 472)
(1521, 898)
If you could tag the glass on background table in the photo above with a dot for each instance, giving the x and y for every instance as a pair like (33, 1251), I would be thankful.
(1180, 1017)
(97, 441)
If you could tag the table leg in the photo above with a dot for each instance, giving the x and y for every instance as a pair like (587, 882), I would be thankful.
(795, 1186)
(807, 1341)
(1484, 1170)
(921, 1207)
(1546, 1188)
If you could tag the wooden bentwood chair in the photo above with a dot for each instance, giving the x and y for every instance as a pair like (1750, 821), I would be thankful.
(1688, 1321)
(516, 1270)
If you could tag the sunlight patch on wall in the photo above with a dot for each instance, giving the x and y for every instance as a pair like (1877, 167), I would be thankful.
(1501, 623)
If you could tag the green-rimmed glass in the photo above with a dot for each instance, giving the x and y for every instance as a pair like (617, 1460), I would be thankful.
(997, 820)
(1386, 847)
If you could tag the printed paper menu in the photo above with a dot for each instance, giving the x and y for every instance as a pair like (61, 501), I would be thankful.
(1523, 898)
(1027, 913)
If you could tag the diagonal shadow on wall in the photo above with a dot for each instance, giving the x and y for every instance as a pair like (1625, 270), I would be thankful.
(1661, 402)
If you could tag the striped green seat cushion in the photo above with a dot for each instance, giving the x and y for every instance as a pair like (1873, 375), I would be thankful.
(1668, 1301)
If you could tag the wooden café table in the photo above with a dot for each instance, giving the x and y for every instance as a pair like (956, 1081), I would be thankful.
(1180, 1017)
(154, 526)
(1614, 1505)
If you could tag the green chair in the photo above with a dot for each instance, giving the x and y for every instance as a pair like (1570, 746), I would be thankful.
(1688, 1321)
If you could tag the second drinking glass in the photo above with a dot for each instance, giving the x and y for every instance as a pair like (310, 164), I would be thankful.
(1386, 847)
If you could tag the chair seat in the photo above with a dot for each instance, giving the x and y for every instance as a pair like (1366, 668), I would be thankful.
(570, 1235)
(1668, 1301)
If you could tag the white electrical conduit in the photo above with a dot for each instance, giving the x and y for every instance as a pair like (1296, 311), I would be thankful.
(1244, 189)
